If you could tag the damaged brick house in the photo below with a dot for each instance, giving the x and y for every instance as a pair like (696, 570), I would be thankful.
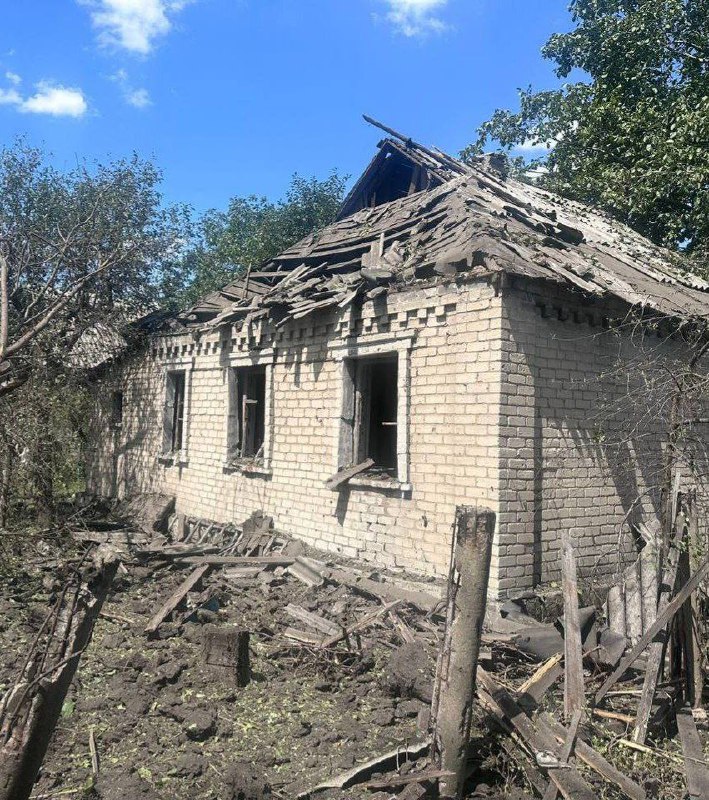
(455, 328)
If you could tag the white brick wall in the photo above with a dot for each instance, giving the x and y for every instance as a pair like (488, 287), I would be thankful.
(507, 408)
(453, 399)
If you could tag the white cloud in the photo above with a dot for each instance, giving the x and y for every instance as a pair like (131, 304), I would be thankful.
(13, 78)
(49, 98)
(139, 98)
(136, 97)
(416, 17)
(133, 24)
(10, 97)
(59, 101)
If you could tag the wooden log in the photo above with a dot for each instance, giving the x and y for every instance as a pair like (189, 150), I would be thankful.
(30, 710)
(344, 475)
(467, 596)
(594, 760)
(227, 649)
(695, 765)
(574, 697)
(568, 780)
(176, 598)
(655, 628)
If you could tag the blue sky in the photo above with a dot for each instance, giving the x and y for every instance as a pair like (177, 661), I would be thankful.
(232, 97)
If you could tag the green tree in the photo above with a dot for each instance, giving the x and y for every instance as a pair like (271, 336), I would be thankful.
(254, 229)
(631, 132)
(94, 243)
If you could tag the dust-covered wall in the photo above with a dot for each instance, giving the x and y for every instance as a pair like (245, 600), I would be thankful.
(524, 401)
(584, 418)
(448, 339)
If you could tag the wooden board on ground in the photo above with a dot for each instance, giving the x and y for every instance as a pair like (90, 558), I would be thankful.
(574, 696)
(568, 780)
(388, 592)
(239, 561)
(365, 622)
(594, 759)
(176, 598)
(695, 765)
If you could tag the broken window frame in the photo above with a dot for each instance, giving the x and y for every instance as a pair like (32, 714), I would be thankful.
(349, 439)
(117, 408)
(258, 463)
(176, 419)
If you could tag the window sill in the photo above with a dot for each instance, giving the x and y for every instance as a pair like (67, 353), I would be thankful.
(173, 460)
(382, 484)
(247, 468)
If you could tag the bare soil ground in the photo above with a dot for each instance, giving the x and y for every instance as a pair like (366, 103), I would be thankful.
(167, 725)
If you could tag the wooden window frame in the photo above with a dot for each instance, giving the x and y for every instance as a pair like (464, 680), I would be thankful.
(347, 355)
(249, 464)
(172, 454)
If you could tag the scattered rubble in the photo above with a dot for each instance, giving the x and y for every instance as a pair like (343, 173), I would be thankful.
(234, 662)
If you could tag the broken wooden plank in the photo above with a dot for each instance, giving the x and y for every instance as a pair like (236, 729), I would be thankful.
(568, 780)
(530, 693)
(574, 697)
(361, 772)
(659, 623)
(657, 648)
(566, 750)
(345, 474)
(239, 561)
(387, 592)
(176, 598)
(365, 622)
(594, 760)
(407, 635)
(695, 765)
(305, 637)
(313, 620)
(30, 709)
(404, 780)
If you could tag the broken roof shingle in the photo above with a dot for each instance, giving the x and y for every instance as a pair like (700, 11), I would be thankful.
(471, 221)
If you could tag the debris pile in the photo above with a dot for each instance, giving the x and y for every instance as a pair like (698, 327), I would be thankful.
(234, 661)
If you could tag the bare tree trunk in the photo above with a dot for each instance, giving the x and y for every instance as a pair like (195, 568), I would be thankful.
(467, 595)
(5, 480)
(31, 708)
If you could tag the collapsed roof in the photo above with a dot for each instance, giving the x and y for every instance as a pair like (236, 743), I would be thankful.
(417, 214)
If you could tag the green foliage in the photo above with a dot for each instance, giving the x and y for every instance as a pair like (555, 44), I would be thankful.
(253, 230)
(92, 243)
(632, 133)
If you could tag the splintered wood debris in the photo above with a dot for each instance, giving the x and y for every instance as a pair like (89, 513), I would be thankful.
(558, 668)
(464, 221)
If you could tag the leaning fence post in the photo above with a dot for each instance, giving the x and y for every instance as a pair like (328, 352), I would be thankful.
(455, 688)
